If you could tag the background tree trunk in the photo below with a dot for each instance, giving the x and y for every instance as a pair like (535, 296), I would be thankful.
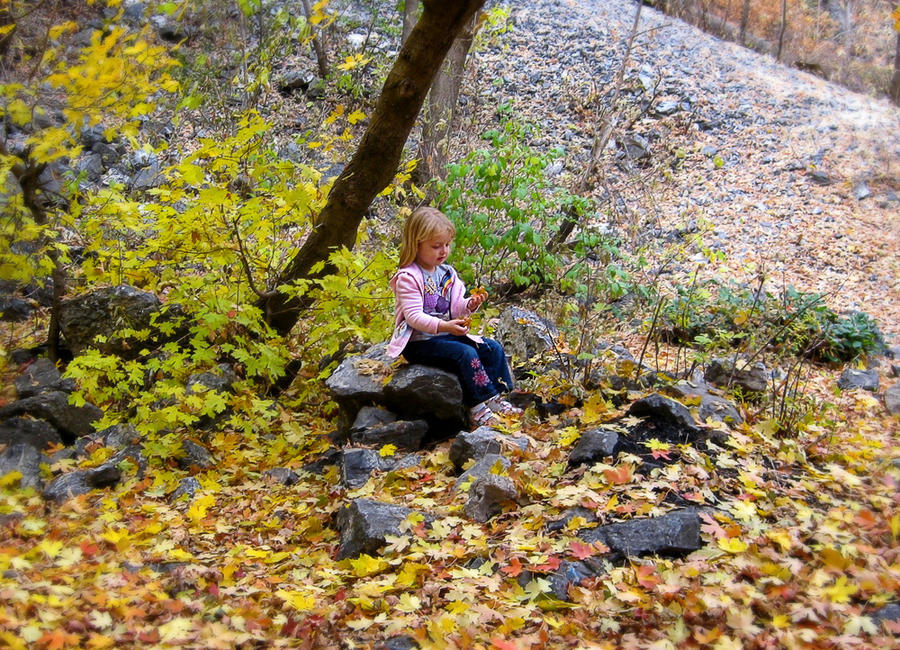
(745, 19)
(321, 56)
(440, 107)
(782, 30)
(895, 80)
(375, 161)
(410, 16)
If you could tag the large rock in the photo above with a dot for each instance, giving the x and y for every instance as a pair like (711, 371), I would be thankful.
(751, 378)
(23, 458)
(663, 408)
(37, 433)
(525, 335)
(482, 467)
(364, 524)
(118, 437)
(416, 390)
(405, 434)
(892, 399)
(593, 446)
(41, 377)
(858, 379)
(675, 533)
(487, 496)
(82, 481)
(71, 421)
(712, 407)
(358, 464)
(359, 380)
(107, 311)
(469, 445)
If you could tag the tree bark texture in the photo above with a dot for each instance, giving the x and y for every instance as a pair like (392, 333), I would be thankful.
(895, 80)
(378, 155)
(321, 56)
(745, 19)
(782, 30)
(410, 16)
(440, 107)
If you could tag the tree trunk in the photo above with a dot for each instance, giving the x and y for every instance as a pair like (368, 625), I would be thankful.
(378, 155)
(745, 19)
(895, 80)
(321, 56)
(782, 29)
(410, 16)
(440, 107)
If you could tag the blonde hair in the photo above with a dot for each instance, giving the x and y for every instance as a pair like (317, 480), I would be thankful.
(423, 224)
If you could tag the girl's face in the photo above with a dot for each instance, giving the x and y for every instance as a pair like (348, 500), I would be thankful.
(433, 251)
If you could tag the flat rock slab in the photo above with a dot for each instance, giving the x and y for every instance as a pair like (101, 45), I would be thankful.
(71, 421)
(593, 446)
(364, 524)
(487, 496)
(25, 459)
(675, 533)
(858, 379)
(474, 445)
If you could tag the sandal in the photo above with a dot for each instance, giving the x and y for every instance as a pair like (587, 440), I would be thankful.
(499, 405)
(481, 415)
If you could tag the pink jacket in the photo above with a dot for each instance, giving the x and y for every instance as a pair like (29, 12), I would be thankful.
(408, 285)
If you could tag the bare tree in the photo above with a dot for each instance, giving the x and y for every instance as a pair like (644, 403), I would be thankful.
(321, 56)
(377, 157)
(745, 19)
(782, 30)
(440, 107)
(410, 16)
(895, 80)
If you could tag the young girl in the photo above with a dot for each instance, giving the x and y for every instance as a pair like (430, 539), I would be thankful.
(431, 321)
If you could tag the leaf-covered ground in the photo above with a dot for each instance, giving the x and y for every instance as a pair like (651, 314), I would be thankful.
(803, 555)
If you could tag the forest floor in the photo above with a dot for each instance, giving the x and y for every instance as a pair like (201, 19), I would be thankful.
(805, 552)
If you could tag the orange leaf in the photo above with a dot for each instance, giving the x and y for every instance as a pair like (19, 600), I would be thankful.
(514, 569)
(502, 644)
(619, 475)
(552, 564)
(582, 551)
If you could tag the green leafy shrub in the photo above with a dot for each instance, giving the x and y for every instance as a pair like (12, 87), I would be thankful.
(506, 210)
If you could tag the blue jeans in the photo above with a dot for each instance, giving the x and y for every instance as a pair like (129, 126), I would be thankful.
(481, 367)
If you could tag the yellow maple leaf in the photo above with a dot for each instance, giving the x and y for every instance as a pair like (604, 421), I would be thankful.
(366, 565)
(299, 600)
(840, 591)
(387, 450)
(356, 116)
(733, 545)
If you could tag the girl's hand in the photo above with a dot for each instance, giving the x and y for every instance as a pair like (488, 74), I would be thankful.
(459, 327)
(479, 295)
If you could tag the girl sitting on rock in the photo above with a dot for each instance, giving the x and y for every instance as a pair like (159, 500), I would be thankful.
(431, 318)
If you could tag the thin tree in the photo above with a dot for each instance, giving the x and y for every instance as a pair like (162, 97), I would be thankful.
(440, 107)
(782, 29)
(895, 79)
(745, 19)
(410, 16)
(321, 55)
(376, 159)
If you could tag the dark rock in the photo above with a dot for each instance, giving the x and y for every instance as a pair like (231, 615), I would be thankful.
(316, 89)
(635, 147)
(371, 416)
(70, 421)
(862, 191)
(719, 409)
(195, 456)
(404, 434)
(23, 458)
(41, 377)
(593, 446)
(416, 390)
(12, 309)
(481, 468)
(819, 177)
(663, 408)
(363, 525)
(752, 379)
(37, 433)
(188, 486)
(222, 380)
(487, 496)
(524, 334)
(668, 107)
(473, 445)
(888, 612)
(397, 643)
(563, 522)
(357, 381)
(91, 165)
(675, 533)
(892, 399)
(852, 379)
(118, 436)
(82, 481)
(110, 309)
(567, 574)
(358, 464)
(293, 80)
(283, 476)
(329, 458)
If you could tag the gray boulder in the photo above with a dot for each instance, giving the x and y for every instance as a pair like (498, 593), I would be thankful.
(41, 377)
(751, 379)
(892, 399)
(358, 380)
(187, 487)
(118, 437)
(487, 496)
(405, 434)
(712, 407)
(481, 468)
(195, 456)
(282, 476)
(416, 390)
(593, 446)
(71, 421)
(469, 445)
(363, 525)
(568, 574)
(525, 335)
(82, 481)
(675, 533)
(107, 311)
(37, 433)
(563, 522)
(371, 416)
(357, 465)
(852, 379)
(664, 408)
(889, 612)
(24, 458)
